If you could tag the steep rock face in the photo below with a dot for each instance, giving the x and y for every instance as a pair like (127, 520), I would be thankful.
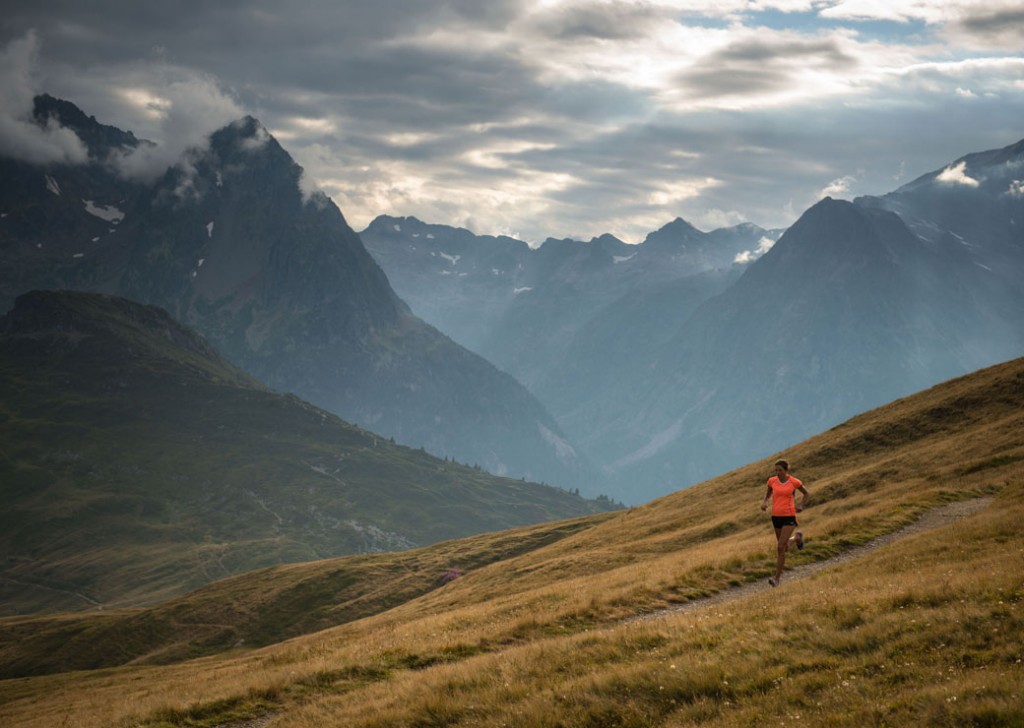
(282, 286)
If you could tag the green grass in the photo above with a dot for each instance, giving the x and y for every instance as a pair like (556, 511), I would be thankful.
(926, 630)
(136, 465)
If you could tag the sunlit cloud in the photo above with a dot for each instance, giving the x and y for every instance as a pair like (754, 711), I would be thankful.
(145, 102)
(838, 187)
(957, 175)
(672, 193)
(187, 109)
(563, 117)
(748, 256)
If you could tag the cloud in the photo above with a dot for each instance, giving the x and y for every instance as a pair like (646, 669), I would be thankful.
(900, 11)
(186, 111)
(748, 256)
(175, 109)
(990, 26)
(1016, 188)
(21, 137)
(761, 68)
(607, 21)
(956, 174)
(715, 218)
(838, 187)
(555, 117)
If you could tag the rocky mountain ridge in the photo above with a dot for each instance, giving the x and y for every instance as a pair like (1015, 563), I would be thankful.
(226, 241)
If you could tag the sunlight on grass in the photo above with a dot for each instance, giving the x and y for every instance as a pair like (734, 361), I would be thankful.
(926, 630)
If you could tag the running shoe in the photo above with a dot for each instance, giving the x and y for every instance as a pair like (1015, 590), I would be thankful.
(799, 540)
(773, 581)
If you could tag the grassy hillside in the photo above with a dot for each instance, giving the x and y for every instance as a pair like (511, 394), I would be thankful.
(136, 465)
(923, 631)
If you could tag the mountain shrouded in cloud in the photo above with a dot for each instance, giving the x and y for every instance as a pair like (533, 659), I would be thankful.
(21, 135)
(281, 285)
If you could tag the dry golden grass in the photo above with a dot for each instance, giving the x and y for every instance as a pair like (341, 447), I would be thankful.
(925, 631)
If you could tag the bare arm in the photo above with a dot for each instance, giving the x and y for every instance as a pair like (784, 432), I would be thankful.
(803, 501)
(767, 500)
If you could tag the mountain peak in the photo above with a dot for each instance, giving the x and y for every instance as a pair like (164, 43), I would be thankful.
(832, 237)
(676, 236)
(98, 138)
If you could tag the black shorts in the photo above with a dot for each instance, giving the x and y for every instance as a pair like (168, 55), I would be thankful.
(780, 521)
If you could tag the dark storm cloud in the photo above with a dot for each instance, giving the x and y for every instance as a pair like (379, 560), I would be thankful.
(824, 53)
(756, 66)
(261, 47)
(995, 22)
(607, 21)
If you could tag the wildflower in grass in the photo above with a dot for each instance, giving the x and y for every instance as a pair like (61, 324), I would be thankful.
(450, 575)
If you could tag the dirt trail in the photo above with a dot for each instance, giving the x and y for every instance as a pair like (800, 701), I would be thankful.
(935, 518)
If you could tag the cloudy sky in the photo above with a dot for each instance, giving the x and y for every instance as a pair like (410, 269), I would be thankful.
(538, 118)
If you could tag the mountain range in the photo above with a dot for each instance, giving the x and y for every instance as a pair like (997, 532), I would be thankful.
(522, 307)
(630, 370)
(701, 361)
(137, 463)
(278, 282)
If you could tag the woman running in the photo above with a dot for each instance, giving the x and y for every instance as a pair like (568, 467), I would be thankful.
(781, 489)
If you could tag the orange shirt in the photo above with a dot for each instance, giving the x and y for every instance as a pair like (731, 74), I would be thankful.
(783, 502)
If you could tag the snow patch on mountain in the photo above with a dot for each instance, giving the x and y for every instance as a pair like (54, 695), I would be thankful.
(104, 212)
(377, 540)
(659, 441)
(52, 186)
(563, 449)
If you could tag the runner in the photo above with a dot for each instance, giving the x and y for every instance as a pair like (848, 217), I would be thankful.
(781, 488)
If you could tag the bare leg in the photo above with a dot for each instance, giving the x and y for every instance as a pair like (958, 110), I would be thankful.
(783, 534)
